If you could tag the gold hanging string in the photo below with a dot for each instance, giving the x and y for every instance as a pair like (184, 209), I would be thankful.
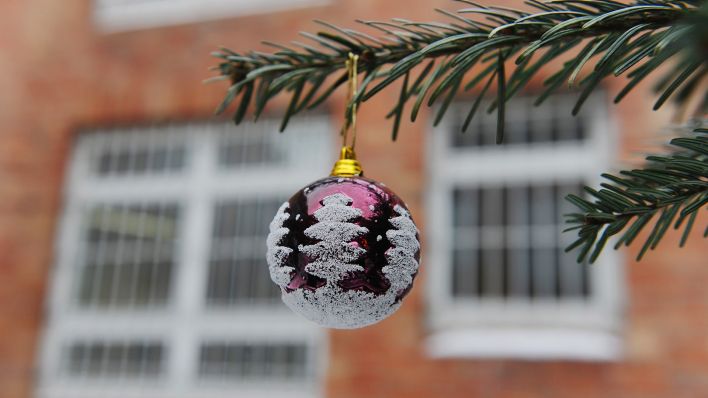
(350, 120)
(347, 165)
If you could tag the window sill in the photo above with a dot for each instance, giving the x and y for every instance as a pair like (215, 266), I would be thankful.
(120, 16)
(526, 344)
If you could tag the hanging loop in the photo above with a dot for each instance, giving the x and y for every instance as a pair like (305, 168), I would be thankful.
(347, 165)
(350, 110)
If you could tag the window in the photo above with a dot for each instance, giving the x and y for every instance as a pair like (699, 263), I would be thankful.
(121, 15)
(160, 286)
(500, 282)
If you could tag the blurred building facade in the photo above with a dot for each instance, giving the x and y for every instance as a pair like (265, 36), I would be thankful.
(132, 225)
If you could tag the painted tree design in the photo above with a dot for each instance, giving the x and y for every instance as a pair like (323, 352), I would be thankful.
(334, 253)
(402, 262)
(277, 254)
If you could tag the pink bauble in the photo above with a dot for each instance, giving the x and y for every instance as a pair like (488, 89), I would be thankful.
(344, 251)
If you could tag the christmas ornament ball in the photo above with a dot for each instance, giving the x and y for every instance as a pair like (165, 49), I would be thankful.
(344, 251)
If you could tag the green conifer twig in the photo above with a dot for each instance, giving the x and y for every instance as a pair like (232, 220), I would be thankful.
(440, 61)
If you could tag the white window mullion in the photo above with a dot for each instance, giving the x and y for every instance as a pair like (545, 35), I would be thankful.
(193, 265)
(131, 189)
(439, 211)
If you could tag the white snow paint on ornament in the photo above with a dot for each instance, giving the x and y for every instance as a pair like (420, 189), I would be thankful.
(297, 217)
(378, 238)
(277, 255)
(334, 252)
(372, 207)
(335, 255)
(402, 264)
(333, 307)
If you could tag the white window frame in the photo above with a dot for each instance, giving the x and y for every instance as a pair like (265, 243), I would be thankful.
(186, 322)
(125, 15)
(538, 329)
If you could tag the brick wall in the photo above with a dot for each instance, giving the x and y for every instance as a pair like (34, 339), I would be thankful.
(57, 74)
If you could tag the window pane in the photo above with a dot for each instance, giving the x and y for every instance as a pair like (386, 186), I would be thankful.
(114, 359)
(466, 207)
(250, 147)
(507, 243)
(129, 255)
(261, 145)
(132, 153)
(254, 361)
(238, 273)
(525, 123)
(575, 277)
(465, 272)
(492, 206)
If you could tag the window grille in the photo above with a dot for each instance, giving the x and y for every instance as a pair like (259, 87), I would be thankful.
(508, 243)
(495, 238)
(160, 285)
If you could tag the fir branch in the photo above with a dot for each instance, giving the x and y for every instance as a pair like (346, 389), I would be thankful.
(671, 189)
(619, 39)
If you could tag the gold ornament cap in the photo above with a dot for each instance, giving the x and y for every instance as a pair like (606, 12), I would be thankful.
(347, 165)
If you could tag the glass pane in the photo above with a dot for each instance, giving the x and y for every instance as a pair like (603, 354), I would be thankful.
(493, 272)
(261, 145)
(114, 359)
(238, 273)
(525, 123)
(465, 273)
(492, 206)
(129, 255)
(465, 207)
(575, 277)
(249, 147)
(253, 361)
(508, 243)
(132, 153)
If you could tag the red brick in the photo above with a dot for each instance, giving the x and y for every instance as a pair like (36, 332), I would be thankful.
(58, 74)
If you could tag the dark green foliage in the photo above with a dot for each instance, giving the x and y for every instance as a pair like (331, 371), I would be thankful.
(618, 39)
(671, 189)
(437, 61)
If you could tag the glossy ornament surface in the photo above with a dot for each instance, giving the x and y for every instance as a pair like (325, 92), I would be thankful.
(344, 251)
